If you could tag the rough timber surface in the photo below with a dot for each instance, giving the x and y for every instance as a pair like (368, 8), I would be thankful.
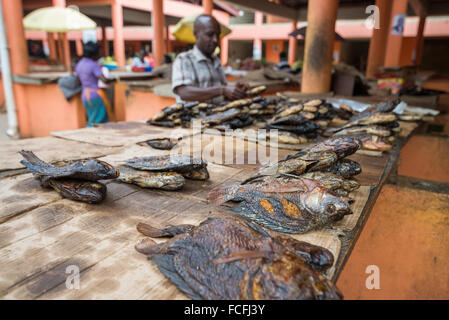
(121, 133)
(49, 149)
(42, 235)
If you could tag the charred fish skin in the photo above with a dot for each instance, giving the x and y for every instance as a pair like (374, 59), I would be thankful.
(294, 213)
(345, 168)
(333, 182)
(89, 169)
(161, 144)
(169, 181)
(177, 163)
(90, 192)
(224, 258)
(343, 146)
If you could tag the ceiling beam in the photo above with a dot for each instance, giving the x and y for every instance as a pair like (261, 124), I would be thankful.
(267, 7)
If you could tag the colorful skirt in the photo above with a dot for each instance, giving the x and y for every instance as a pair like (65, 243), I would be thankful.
(98, 108)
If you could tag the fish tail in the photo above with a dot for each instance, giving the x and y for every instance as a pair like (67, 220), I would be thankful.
(224, 193)
(31, 157)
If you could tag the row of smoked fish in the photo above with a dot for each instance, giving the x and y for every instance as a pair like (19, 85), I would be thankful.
(80, 179)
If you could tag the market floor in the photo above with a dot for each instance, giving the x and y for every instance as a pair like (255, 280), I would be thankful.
(407, 238)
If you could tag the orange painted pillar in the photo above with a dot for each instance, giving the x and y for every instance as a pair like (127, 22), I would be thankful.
(394, 42)
(378, 43)
(319, 46)
(420, 40)
(66, 50)
(168, 45)
(79, 47)
(104, 39)
(18, 56)
(158, 29)
(292, 44)
(224, 51)
(208, 6)
(119, 40)
(60, 48)
(52, 46)
(257, 44)
(65, 53)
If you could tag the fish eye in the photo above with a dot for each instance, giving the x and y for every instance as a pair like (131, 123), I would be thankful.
(330, 208)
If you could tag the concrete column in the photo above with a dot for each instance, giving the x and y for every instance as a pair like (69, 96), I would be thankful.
(208, 6)
(158, 29)
(420, 40)
(52, 46)
(60, 46)
(105, 42)
(119, 40)
(59, 3)
(18, 56)
(319, 46)
(257, 44)
(292, 44)
(224, 51)
(394, 42)
(378, 43)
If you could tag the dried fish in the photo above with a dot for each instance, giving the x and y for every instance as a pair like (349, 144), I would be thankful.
(229, 259)
(313, 103)
(155, 180)
(161, 144)
(333, 182)
(221, 117)
(291, 110)
(376, 130)
(295, 212)
(256, 91)
(89, 169)
(187, 166)
(343, 146)
(345, 168)
(366, 119)
(85, 191)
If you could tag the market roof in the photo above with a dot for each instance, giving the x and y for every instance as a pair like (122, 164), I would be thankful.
(348, 9)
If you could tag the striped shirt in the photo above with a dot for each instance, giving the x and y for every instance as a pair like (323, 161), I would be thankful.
(192, 68)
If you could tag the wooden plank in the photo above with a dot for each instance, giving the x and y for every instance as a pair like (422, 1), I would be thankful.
(49, 149)
(20, 194)
(121, 134)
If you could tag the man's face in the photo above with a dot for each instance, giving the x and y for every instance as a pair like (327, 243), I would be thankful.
(207, 37)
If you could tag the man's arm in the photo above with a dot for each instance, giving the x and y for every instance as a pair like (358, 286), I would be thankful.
(190, 93)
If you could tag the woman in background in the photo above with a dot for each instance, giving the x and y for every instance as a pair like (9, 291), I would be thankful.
(95, 101)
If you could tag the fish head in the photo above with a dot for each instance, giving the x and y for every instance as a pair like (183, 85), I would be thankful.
(103, 169)
(321, 201)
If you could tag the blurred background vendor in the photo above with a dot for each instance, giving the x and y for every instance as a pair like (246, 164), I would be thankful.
(198, 74)
(89, 72)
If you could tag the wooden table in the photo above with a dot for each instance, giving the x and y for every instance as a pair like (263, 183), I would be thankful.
(44, 238)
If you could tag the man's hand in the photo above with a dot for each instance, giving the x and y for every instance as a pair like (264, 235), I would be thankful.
(242, 86)
(234, 93)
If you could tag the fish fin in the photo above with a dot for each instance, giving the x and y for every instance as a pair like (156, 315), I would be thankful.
(244, 254)
(147, 246)
(29, 166)
(256, 228)
(223, 193)
(31, 157)
(152, 232)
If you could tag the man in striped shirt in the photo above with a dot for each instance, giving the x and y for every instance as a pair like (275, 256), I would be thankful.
(198, 74)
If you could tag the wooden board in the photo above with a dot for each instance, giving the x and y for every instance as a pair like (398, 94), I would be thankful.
(49, 149)
(121, 133)
(41, 235)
